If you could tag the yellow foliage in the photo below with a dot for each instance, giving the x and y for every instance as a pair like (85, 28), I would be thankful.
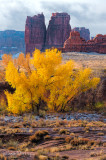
(44, 78)
(6, 59)
(2, 75)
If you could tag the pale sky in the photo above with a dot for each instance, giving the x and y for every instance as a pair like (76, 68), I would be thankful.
(84, 13)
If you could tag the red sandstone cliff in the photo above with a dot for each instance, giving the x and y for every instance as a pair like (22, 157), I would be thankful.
(35, 32)
(74, 42)
(57, 35)
(84, 33)
(78, 44)
(58, 30)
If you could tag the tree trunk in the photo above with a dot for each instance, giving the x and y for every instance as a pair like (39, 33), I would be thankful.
(37, 107)
(32, 107)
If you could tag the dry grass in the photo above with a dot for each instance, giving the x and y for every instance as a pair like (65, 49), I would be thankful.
(68, 139)
(100, 134)
(3, 157)
(103, 158)
(79, 141)
(63, 131)
(96, 62)
(38, 136)
(65, 137)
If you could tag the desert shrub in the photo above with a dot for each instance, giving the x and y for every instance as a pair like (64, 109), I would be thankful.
(38, 136)
(79, 141)
(57, 138)
(12, 144)
(60, 123)
(12, 148)
(43, 157)
(1, 144)
(68, 139)
(93, 154)
(104, 144)
(100, 134)
(65, 157)
(63, 131)
(91, 142)
(36, 157)
(33, 125)
(103, 158)
(3, 157)
(41, 123)
(98, 142)
(72, 134)
(55, 129)
(99, 106)
(87, 129)
(42, 113)
(47, 137)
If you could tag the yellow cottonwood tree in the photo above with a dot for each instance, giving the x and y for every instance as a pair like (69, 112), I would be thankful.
(45, 78)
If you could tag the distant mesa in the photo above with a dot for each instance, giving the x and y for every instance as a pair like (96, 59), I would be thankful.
(12, 41)
(84, 33)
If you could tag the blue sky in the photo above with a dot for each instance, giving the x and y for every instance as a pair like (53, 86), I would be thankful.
(84, 13)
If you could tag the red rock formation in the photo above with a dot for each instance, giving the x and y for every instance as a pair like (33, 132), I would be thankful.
(98, 44)
(58, 30)
(84, 33)
(78, 44)
(35, 32)
(74, 42)
(57, 33)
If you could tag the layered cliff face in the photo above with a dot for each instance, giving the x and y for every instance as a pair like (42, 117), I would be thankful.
(78, 44)
(58, 30)
(98, 44)
(57, 35)
(74, 42)
(35, 32)
(12, 41)
(84, 33)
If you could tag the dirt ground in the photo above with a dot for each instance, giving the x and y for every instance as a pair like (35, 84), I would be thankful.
(65, 139)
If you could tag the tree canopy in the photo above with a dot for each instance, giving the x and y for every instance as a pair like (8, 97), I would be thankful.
(45, 78)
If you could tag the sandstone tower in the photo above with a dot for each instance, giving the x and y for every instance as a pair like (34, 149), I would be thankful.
(35, 33)
(58, 30)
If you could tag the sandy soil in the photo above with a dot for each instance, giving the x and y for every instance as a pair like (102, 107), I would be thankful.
(20, 129)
